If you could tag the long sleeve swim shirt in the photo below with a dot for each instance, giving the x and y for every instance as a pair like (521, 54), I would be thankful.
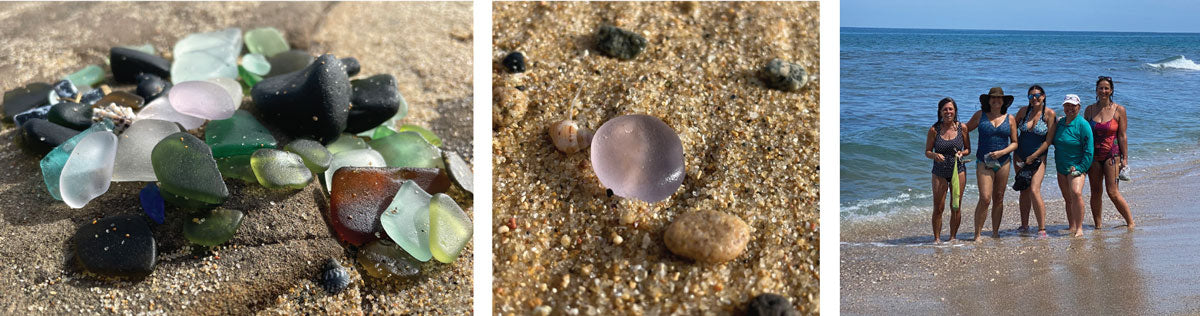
(1073, 145)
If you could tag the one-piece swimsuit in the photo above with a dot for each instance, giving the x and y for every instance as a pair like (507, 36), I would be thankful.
(1105, 134)
(1031, 138)
(947, 148)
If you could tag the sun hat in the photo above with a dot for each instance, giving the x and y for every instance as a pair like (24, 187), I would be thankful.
(995, 92)
(1072, 99)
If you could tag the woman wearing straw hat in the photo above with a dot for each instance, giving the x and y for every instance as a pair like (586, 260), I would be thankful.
(997, 138)
(1111, 150)
(1072, 158)
(946, 144)
(1036, 123)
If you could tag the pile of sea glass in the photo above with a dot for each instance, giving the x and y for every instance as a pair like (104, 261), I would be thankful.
(342, 132)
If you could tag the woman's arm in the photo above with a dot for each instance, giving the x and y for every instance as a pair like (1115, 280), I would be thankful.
(974, 122)
(1051, 125)
(929, 146)
(966, 141)
(1123, 124)
(1089, 143)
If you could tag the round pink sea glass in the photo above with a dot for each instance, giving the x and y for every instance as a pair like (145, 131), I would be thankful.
(638, 156)
(202, 99)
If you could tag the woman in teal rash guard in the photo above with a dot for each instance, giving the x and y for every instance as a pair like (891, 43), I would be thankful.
(1073, 149)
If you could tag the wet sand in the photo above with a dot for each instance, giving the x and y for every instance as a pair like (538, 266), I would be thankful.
(563, 247)
(271, 264)
(889, 266)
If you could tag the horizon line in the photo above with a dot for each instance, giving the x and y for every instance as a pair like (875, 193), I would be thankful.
(1016, 30)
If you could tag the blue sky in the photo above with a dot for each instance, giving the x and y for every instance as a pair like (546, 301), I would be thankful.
(1046, 15)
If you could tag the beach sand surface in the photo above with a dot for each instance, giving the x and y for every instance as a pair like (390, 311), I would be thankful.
(271, 264)
(889, 265)
(563, 246)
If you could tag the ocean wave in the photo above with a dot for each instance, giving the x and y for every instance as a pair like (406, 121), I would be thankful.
(897, 199)
(1174, 62)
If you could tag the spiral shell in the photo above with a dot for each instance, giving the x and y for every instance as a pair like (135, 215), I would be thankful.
(569, 136)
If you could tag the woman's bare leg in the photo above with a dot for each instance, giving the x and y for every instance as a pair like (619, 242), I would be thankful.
(1096, 180)
(1064, 186)
(983, 176)
(939, 204)
(1035, 193)
(1077, 192)
(999, 184)
(1023, 203)
(1114, 193)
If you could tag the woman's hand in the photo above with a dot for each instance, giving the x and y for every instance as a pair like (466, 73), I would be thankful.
(960, 153)
(1124, 162)
(1029, 160)
(994, 154)
(938, 157)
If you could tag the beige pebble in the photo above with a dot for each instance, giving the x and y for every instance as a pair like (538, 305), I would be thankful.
(707, 236)
(508, 105)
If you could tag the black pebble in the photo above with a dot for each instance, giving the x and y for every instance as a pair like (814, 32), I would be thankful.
(767, 304)
(119, 246)
(334, 277)
(784, 76)
(289, 61)
(619, 43)
(65, 89)
(150, 87)
(375, 100)
(608, 192)
(514, 62)
(70, 114)
(42, 135)
(24, 98)
(352, 66)
(312, 103)
(127, 64)
(38, 112)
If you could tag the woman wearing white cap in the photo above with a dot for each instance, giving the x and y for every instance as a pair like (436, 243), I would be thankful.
(1072, 157)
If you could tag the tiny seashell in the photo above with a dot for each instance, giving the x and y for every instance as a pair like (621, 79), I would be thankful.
(334, 277)
(121, 116)
(569, 136)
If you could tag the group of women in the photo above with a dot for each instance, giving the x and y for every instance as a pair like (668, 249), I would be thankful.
(1090, 143)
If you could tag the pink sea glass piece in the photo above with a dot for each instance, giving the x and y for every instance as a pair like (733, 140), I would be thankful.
(638, 156)
(202, 99)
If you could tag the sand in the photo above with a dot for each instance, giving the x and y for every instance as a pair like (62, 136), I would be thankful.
(271, 264)
(749, 151)
(889, 267)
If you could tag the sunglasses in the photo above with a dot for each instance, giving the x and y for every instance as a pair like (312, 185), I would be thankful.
(1035, 95)
(1104, 78)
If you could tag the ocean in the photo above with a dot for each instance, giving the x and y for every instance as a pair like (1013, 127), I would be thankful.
(892, 79)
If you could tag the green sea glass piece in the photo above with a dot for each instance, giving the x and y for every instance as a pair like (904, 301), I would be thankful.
(187, 173)
(237, 167)
(449, 228)
(408, 149)
(145, 48)
(88, 76)
(200, 56)
(267, 41)
(428, 135)
(382, 131)
(277, 169)
(346, 142)
(406, 220)
(240, 134)
(256, 64)
(315, 156)
(52, 164)
(248, 79)
(384, 259)
(212, 227)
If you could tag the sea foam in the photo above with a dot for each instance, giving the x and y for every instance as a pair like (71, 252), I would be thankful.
(1174, 62)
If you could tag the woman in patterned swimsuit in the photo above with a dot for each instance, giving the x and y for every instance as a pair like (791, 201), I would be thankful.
(944, 143)
(1037, 122)
(1108, 122)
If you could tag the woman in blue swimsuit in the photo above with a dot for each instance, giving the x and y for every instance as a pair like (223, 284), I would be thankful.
(997, 139)
(1037, 121)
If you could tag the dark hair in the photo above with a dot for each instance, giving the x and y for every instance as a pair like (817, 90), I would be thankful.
(939, 110)
(1030, 108)
(1110, 82)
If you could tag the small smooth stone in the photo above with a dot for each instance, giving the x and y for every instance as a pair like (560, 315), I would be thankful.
(383, 259)
(277, 169)
(213, 227)
(360, 195)
(187, 172)
(90, 75)
(256, 64)
(508, 106)
(70, 114)
(34, 113)
(203, 99)
(449, 228)
(127, 64)
(134, 147)
(459, 170)
(514, 62)
(25, 98)
(88, 172)
(152, 203)
(266, 41)
(161, 109)
(352, 66)
(638, 156)
(122, 98)
(315, 156)
(42, 135)
(428, 135)
(64, 89)
(707, 236)
(288, 62)
(382, 131)
(237, 167)
(352, 158)
(150, 87)
(346, 142)
(334, 278)
(241, 134)
(406, 220)
(145, 48)
(569, 137)
(313, 103)
(116, 246)
(768, 304)
(784, 76)
(54, 161)
(408, 149)
(201, 56)
(619, 43)
(374, 100)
